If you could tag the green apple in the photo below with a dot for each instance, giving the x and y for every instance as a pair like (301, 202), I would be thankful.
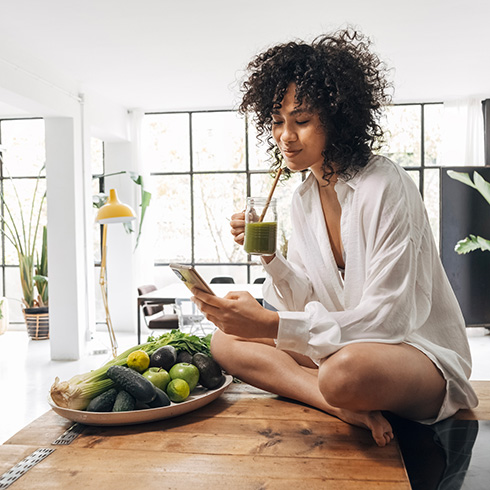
(186, 371)
(158, 376)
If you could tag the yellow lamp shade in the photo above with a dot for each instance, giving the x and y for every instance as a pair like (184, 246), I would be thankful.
(114, 211)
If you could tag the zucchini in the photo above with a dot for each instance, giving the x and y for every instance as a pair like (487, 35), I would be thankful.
(124, 402)
(103, 402)
(161, 400)
(132, 382)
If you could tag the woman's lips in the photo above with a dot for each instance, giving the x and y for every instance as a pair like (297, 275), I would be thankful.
(290, 153)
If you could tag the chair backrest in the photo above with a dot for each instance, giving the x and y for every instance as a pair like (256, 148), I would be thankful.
(222, 280)
(147, 307)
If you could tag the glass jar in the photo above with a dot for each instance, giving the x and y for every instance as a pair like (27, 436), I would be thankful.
(260, 226)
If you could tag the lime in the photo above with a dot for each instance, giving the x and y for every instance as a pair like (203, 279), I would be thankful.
(178, 390)
(185, 371)
(138, 360)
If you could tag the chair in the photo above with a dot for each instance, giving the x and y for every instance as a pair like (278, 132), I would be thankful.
(222, 280)
(154, 314)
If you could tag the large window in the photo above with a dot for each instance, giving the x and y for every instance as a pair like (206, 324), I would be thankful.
(414, 135)
(23, 157)
(204, 164)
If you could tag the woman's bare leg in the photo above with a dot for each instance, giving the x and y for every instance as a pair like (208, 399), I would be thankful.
(375, 376)
(259, 363)
(352, 395)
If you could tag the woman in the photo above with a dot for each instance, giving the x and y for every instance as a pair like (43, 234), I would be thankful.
(367, 321)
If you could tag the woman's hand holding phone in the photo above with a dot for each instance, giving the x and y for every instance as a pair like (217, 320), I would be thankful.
(238, 313)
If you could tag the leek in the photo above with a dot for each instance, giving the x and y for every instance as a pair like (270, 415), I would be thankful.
(77, 392)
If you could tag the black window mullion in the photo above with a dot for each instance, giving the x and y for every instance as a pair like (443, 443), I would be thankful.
(248, 175)
(191, 187)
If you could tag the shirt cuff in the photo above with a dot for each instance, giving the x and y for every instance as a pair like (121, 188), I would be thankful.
(278, 267)
(293, 331)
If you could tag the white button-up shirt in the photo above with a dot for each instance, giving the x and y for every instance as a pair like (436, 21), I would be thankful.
(394, 288)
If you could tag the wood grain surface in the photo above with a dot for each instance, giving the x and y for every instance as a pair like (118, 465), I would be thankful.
(246, 439)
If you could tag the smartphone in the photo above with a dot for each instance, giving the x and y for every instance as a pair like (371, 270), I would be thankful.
(190, 277)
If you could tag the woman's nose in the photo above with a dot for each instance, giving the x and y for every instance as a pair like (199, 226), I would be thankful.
(288, 134)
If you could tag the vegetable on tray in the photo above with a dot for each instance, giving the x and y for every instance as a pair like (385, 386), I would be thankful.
(77, 392)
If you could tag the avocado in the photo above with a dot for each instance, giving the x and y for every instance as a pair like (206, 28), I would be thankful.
(184, 356)
(164, 357)
(210, 373)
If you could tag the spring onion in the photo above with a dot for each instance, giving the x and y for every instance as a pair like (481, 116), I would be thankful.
(77, 392)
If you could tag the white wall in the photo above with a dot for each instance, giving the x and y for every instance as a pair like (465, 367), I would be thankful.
(70, 120)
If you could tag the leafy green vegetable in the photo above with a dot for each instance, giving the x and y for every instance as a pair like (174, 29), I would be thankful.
(184, 341)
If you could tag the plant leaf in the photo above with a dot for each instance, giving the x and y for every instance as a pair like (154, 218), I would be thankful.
(471, 243)
(462, 177)
(98, 200)
(145, 202)
(482, 186)
(137, 179)
(40, 279)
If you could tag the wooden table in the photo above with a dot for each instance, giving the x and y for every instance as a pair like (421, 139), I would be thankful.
(246, 439)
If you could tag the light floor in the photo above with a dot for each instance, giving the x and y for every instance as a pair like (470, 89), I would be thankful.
(27, 372)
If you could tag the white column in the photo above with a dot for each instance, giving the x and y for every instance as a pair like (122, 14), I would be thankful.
(121, 287)
(68, 273)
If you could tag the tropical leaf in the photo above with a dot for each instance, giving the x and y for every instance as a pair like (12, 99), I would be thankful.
(482, 186)
(461, 177)
(478, 182)
(471, 243)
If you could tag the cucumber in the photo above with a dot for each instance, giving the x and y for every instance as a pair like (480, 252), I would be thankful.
(161, 400)
(103, 402)
(124, 402)
(132, 382)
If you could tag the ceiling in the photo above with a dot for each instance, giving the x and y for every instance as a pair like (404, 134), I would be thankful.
(189, 54)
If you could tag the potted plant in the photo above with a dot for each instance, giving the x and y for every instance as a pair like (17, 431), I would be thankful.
(22, 234)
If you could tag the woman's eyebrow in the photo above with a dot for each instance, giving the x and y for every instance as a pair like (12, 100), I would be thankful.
(294, 112)
(299, 110)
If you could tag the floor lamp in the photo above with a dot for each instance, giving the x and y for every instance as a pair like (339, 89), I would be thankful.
(111, 212)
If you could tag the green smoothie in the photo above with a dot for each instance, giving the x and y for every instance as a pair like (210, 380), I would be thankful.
(260, 238)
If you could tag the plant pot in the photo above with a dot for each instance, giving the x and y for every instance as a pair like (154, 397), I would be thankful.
(37, 322)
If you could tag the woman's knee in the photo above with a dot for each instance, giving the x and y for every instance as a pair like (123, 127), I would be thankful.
(343, 376)
(219, 343)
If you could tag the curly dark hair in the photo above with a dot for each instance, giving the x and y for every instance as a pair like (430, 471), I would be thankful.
(336, 76)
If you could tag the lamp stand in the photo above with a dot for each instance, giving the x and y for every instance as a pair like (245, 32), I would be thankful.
(103, 287)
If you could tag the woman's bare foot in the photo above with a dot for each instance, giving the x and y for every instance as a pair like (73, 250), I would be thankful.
(380, 428)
